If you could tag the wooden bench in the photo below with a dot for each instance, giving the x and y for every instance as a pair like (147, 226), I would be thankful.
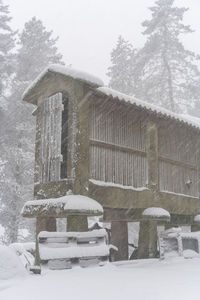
(61, 250)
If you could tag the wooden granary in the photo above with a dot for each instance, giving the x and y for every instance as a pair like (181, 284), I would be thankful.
(126, 154)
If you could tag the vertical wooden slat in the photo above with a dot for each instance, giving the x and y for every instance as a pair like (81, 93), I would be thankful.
(51, 138)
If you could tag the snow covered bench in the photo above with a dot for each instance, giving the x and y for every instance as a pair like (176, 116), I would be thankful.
(62, 249)
(175, 242)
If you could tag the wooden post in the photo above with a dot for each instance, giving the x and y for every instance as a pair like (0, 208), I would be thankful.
(196, 226)
(37, 171)
(119, 238)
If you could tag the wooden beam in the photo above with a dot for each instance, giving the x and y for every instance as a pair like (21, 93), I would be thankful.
(116, 197)
(177, 163)
(116, 147)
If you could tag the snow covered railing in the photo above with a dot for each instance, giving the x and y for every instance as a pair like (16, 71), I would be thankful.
(62, 249)
(173, 242)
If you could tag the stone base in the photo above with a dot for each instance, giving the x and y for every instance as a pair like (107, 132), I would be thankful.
(43, 224)
(119, 238)
(195, 227)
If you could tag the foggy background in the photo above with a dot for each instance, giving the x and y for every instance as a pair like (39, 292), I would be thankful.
(88, 29)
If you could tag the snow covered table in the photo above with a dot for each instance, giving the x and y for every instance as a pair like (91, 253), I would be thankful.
(62, 249)
(76, 208)
(62, 207)
(156, 213)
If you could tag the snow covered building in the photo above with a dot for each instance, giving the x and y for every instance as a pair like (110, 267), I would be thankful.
(125, 153)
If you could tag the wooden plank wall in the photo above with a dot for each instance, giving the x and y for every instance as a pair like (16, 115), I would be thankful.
(50, 150)
(178, 159)
(117, 145)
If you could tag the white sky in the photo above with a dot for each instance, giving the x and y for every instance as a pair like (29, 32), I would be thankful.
(88, 29)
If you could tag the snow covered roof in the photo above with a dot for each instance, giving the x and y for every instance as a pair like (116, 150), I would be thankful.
(156, 213)
(99, 88)
(152, 108)
(62, 207)
(68, 72)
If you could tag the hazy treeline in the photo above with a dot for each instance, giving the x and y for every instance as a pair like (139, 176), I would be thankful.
(162, 72)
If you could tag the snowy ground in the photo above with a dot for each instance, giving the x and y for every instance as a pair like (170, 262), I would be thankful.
(173, 278)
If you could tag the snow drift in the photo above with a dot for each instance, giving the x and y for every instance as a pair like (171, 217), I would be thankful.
(10, 264)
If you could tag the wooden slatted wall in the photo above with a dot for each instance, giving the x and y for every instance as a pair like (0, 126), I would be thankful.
(117, 145)
(51, 139)
(178, 157)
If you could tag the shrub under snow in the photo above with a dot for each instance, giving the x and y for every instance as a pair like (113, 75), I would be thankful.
(10, 264)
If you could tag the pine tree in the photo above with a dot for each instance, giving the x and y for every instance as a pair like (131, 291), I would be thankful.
(7, 43)
(37, 49)
(120, 72)
(166, 73)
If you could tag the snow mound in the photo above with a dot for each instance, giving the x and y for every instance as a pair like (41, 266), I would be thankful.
(156, 212)
(190, 120)
(22, 247)
(10, 264)
(197, 219)
(69, 72)
(25, 252)
(190, 253)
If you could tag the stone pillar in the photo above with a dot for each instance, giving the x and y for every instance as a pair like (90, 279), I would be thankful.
(77, 223)
(147, 244)
(40, 226)
(195, 227)
(152, 155)
(119, 238)
(43, 224)
(51, 224)
(81, 153)
(168, 226)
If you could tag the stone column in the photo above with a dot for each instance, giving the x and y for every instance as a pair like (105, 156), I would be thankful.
(119, 238)
(152, 155)
(77, 223)
(40, 226)
(50, 224)
(43, 224)
(81, 154)
(147, 245)
(195, 227)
